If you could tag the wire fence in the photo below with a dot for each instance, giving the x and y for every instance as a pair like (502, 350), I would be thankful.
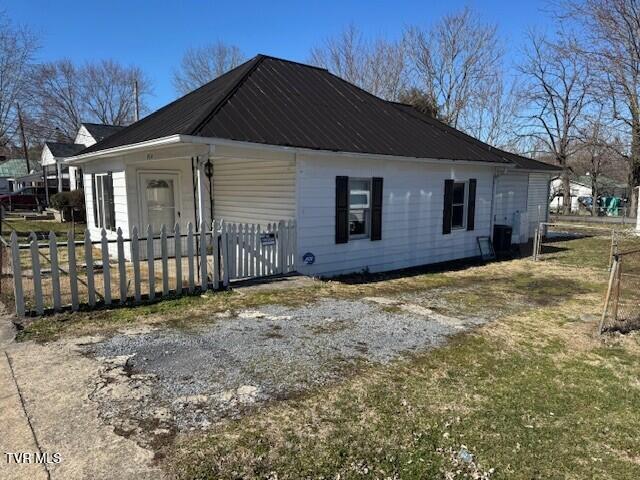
(52, 272)
(621, 310)
(579, 245)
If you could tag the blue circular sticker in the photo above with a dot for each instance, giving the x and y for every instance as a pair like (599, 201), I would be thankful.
(309, 258)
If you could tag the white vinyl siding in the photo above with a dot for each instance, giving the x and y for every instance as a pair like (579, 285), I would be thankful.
(254, 190)
(511, 203)
(412, 210)
(538, 196)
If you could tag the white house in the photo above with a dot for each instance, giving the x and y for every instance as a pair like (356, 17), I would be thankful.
(371, 184)
(55, 154)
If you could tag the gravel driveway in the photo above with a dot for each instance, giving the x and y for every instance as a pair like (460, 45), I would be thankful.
(160, 382)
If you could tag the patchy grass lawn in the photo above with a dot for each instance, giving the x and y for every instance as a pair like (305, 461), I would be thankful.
(41, 227)
(533, 394)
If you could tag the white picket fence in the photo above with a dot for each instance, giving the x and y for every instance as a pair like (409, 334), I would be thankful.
(57, 273)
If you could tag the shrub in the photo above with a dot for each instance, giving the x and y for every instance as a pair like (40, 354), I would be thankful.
(73, 199)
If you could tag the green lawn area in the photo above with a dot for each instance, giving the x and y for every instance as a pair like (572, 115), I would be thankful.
(41, 227)
(533, 394)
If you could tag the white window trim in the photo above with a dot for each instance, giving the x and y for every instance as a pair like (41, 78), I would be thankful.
(366, 235)
(464, 205)
(101, 203)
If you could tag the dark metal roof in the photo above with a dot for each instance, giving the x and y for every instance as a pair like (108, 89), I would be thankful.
(100, 131)
(64, 150)
(278, 102)
(520, 161)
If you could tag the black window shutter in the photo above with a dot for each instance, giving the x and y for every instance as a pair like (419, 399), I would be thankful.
(471, 210)
(448, 202)
(342, 209)
(94, 197)
(110, 204)
(376, 208)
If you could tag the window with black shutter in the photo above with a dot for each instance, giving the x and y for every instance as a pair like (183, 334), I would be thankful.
(342, 209)
(471, 208)
(376, 208)
(358, 208)
(458, 208)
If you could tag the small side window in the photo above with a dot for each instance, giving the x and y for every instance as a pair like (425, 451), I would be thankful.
(359, 207)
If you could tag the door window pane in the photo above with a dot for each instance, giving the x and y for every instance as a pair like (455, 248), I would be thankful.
(161, 208)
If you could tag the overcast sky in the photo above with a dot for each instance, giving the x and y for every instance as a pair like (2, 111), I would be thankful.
(154, 34)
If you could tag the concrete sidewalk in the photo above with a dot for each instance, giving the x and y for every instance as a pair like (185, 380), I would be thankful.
(46, 407)
(15, 432)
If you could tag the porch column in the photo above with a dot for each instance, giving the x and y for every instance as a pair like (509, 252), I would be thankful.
(59, 176)
(202, 191)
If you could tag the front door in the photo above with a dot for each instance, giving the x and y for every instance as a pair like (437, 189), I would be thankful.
(160, 200)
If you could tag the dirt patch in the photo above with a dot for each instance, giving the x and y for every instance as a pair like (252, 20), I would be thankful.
(158, 383)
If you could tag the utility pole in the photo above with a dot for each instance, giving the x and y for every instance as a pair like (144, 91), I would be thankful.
(25, 149)
(137, 99)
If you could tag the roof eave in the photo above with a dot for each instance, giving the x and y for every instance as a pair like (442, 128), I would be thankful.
(133, 147)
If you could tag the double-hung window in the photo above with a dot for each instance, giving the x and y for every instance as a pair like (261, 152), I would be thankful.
(359, 207)
(103, 204)
(459, 205)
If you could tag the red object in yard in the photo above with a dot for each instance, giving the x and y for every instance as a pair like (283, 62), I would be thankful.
(27, 198)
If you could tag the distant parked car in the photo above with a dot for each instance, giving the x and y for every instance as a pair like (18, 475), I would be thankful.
(27, 198)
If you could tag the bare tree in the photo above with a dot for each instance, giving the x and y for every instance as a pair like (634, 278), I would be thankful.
(58, 107)
(377, 66)
(419, 100)
(203, 64)
(456, 62)
(109, 92)
(611, 30)
(17, 48)
(598, 151)
(556, 94)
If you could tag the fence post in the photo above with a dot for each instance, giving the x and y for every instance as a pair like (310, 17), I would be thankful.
(88, 260)
(225, 254)
(203, 257)
(282, 247)
(55, 273)
(614, 247)
(215, 240)
(122, 271)
(73, 271)
(535, 245)
(178, 252)
(17, 275)
(190, 257)
(37, 278)
(259, 252)
(151, 263)
(607, 298)
(135, 258)
(106, 268)
(165, 260)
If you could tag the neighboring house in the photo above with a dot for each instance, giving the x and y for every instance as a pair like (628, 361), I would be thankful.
(55, 154)
(53, 163)
(10, 171)
(373, 185)
(580, 186)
